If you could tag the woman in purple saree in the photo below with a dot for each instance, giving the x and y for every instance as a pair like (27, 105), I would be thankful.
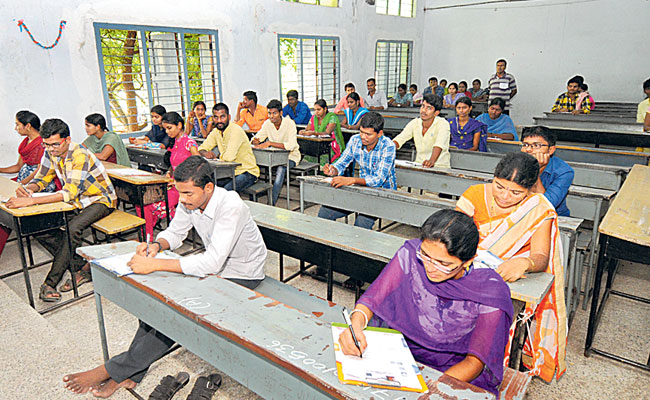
(455, 317)
(466, 132)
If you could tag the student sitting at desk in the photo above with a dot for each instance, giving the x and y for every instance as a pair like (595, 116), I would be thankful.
(466, 132)
(181, 147)
(566, 102)
(642, 109)
(443, 86)
(297, 110)
(233, 146)
(499, 125)
(85, 184)
(30, 152)
(376, 99)
(434, 88)
(234, 250)
(430, 133)
(325, 123)
(450, 100)
(106, 145)
(555, 175)
(198, 123)
(281, 134)
(584, 98)
(520, 227)
(454, 315)
(375, 154)
(354, 112)
(343, 103)
(478, 94)
(417, 96)
(402, 98)
(462, 89)
(157, 133)
(251, 113)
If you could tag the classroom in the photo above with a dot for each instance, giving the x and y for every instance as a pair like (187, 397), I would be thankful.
(292, 199)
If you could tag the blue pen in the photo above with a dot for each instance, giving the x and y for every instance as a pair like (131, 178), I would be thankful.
(346, 317)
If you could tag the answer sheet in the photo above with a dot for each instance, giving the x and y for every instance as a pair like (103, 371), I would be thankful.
(118, 264)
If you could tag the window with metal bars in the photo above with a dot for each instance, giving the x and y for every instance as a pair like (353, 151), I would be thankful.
(326, 3)
(399, 8)
(392, 64)
(310, 65)
(143, 66)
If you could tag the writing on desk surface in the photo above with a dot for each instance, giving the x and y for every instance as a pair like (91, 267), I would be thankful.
(290, 352)
(194, 303)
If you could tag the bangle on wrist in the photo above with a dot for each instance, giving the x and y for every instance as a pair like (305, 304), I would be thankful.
(365, 325)
(532, 264)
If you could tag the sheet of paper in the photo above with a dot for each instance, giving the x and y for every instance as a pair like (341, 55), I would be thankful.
(327, 180)
(405, 163)
(387, 361)
(487, 259)
(128, 172)
(118, 263)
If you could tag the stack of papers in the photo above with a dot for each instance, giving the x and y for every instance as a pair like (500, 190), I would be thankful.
(387, 362)
(118, 264)
(128, 172)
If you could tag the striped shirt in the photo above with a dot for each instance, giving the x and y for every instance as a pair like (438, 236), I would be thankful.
(376, 167)
(502, 87)
(83, 176)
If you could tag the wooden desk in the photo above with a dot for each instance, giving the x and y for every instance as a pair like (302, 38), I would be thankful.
(30, 221)
(316, 146)
(401, 207)
(141, 190)
(272, 157)
(274, 343)
(579, 154)
(625, 236)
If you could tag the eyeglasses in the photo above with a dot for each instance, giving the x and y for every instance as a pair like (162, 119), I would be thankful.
(535, 146)
(52, 145)
(426, 259)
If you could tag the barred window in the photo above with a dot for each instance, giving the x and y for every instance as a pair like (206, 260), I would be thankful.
(326, 3)
(392, 64)
(310, 65)
(144, 66)
(400, 8)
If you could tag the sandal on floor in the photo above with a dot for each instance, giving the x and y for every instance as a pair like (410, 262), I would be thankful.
(351, 283)
(46, 294)
(85, 277)
(205, 387)
(169, 386)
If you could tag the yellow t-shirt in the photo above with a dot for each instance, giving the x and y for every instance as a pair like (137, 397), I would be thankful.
(437, 135)
(233, 146)
(642, 110)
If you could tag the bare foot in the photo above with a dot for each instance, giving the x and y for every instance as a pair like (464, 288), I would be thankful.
(108, 388)
(82, 382)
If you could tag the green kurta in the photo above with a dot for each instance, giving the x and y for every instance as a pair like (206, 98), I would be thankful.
(110, 138)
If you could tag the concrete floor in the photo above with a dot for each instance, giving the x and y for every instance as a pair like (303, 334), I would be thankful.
(37, 351)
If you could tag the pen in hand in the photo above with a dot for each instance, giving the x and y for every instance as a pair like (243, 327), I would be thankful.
(346, 318)
(148, 240)
(26, 190)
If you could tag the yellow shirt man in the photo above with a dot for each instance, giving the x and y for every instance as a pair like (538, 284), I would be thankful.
(436, 136)
(233, 146)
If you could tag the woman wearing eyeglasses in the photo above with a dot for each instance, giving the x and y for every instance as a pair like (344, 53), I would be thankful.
(455, 317)
(520, 227)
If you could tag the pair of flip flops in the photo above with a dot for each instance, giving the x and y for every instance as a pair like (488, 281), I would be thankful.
(84, 277)
(204, 387)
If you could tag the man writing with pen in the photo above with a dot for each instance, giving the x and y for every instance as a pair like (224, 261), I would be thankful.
(234, 250)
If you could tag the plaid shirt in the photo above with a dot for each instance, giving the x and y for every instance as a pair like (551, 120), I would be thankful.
(377, 166)
(84, 178)
(564, 101)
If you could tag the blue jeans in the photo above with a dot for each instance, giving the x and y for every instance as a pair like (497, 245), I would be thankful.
(280, 172)
(362, 221)
(243, 181)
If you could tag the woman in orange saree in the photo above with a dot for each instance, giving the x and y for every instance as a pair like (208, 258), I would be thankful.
(520, 227)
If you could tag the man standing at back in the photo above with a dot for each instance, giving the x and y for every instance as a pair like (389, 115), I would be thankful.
(503, 85)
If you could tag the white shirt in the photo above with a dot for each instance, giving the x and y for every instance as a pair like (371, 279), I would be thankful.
(237, 250)
(378, 100)
(285, 135)
(438, 135)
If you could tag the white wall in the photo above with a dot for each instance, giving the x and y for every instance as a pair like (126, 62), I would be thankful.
(546, 42)
(65, 82)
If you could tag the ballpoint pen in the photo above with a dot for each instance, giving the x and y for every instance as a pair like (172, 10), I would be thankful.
(346, 317)
(148, 240)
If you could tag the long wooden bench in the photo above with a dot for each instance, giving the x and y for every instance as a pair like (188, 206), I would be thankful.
(285, 337)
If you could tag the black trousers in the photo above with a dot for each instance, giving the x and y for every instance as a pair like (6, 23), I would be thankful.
(56, 243)
(147, 347)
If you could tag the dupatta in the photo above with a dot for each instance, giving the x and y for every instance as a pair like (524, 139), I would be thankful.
(338, 144)
(354, 119)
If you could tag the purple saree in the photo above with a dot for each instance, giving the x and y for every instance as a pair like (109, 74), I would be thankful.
(463, 138)
(443, 322)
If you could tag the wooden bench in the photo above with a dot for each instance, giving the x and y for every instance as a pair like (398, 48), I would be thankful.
(117, 223)
(286, 336)
(305, 168)
(260, 188)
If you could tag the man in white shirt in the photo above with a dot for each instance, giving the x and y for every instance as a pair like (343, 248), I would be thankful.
(281, 134)
(376, 99)
(238, 254)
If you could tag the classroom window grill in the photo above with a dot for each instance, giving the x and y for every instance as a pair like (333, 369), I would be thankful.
(326, 3)
(392, 65)
(309, 65)
(145, 66)
(399, 8)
